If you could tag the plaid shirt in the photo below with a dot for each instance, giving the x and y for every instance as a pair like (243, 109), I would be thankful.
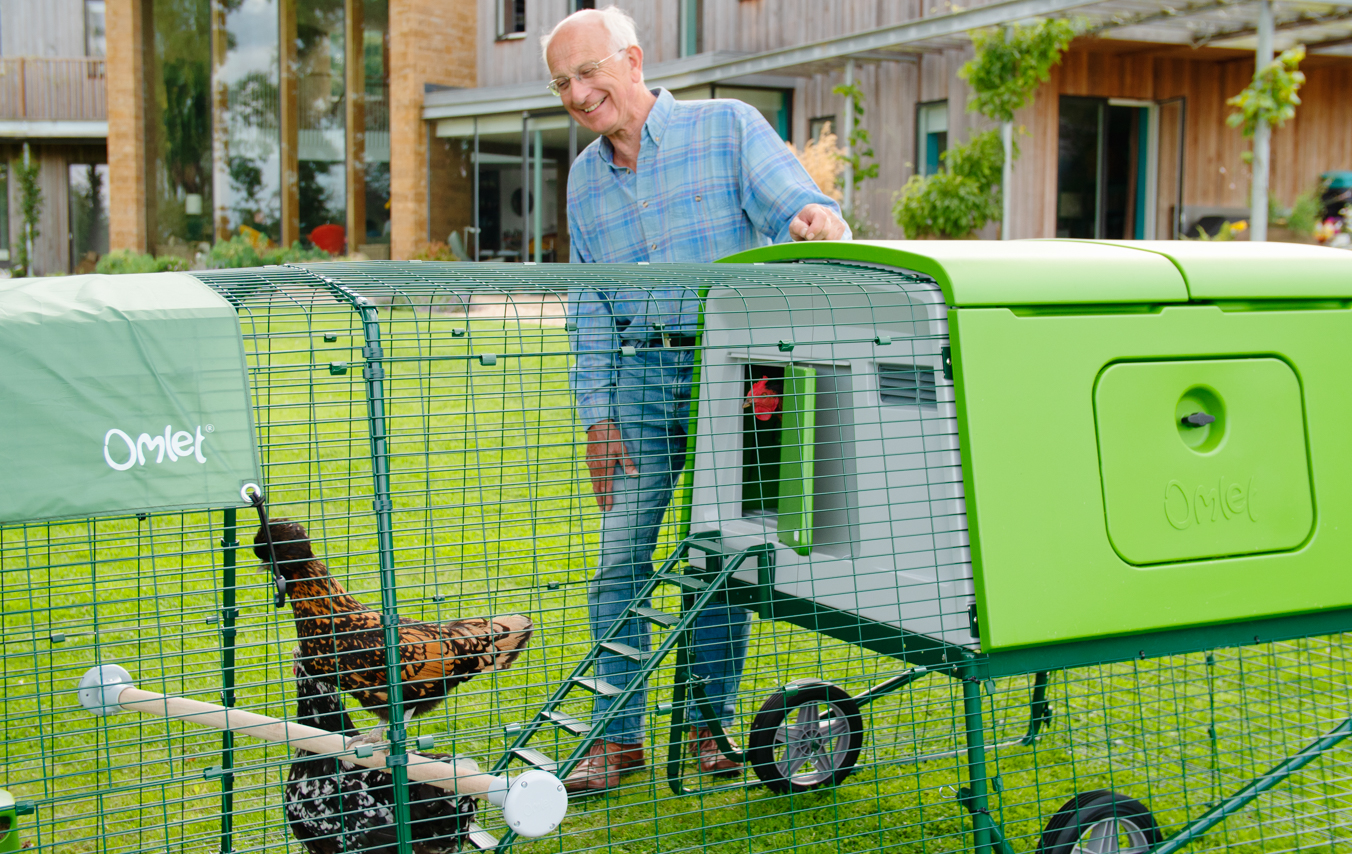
(713, 179)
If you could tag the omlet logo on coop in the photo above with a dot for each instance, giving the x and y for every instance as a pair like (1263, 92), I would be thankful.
(122, 452)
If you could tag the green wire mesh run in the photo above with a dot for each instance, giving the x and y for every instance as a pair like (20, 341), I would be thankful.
(467, 497)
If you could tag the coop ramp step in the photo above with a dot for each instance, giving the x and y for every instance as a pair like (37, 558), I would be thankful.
(480, 838)
(596, 686)
(535, 758)
(567, 723)
(661, 618)
(624, 650)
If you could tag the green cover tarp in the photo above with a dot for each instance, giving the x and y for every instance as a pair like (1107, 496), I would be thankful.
(121, 394)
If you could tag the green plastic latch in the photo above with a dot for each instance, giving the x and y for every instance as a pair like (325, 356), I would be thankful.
(9, 822)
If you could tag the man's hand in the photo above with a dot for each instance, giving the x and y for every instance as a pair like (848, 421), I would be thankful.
(816, 222)
(605, 448)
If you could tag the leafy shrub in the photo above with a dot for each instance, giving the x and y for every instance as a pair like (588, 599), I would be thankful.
(121, 261)
(1306, 213)
(958, 200)
(823, 162)
(239, 251)
(294, 254)
(235, 252)
(435, 251)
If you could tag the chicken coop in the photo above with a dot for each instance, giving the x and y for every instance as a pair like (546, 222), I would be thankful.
(1038, 547)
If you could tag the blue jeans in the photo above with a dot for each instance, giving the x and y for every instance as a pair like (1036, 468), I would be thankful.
(652, 407)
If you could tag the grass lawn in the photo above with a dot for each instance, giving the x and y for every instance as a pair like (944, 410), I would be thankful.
(491, 516)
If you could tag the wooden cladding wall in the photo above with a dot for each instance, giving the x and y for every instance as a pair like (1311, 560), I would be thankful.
(1214, 172)
(42, 28)
(729, 25)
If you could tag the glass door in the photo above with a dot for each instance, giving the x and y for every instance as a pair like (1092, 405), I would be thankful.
(1118, 168)
(1169, 169)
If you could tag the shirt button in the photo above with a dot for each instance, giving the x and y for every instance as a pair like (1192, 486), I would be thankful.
(654, 245)
(698, 198)
(645, 204)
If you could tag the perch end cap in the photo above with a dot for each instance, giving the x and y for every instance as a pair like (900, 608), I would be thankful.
(534, 804)
(101, 687)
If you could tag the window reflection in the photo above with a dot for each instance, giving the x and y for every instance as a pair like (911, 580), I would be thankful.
(321, 129)
(178, 139)
(247, 174)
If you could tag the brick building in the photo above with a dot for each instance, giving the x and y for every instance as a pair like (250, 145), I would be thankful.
(1126, 140)
(163, 124)
(279, 116)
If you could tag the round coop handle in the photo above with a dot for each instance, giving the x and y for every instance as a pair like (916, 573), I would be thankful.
(533, 803)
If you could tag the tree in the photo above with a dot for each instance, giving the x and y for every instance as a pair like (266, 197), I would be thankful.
(1010, 63)
(30, 210)
(859, 143)
(1272, 97)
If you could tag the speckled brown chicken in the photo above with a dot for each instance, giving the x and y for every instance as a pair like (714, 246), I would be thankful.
(342, 638)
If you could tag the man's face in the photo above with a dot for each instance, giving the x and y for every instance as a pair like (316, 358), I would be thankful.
(606, 102)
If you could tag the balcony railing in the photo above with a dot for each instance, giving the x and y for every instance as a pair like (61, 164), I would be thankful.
(43, 89)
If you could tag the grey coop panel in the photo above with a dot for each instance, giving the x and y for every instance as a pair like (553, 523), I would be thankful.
(866, 432)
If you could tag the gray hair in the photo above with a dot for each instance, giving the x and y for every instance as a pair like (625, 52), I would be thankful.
(617, 22)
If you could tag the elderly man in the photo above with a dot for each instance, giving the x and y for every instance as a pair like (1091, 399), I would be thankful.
(666, 181)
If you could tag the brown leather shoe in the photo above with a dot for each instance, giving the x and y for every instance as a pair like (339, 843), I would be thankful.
(711, 759)
(602, 768)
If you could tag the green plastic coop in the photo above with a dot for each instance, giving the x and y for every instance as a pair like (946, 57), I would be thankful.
(1122, 438)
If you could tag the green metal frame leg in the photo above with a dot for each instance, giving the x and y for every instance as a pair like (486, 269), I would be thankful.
(1039, 709)
(229, 612)
(975, 797)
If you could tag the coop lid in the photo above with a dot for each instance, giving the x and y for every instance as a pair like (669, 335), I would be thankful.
(1230, 270)
(1009, 272)
(122, 394)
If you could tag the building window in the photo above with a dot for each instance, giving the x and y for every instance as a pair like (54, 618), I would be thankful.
(374, 240)
(95, 40)
(820, 125)
(511, 19)
(691, 27)
(772, 103)
(579, 5)
(931, 136)
(89, 215)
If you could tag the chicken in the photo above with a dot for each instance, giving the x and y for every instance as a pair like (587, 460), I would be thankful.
(335, 806)
(762, 400)
(340, 638)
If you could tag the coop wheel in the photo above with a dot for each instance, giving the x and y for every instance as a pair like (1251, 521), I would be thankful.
(807, 735)
(1100, 822)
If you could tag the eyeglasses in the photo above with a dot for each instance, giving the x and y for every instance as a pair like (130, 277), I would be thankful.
(559, 85)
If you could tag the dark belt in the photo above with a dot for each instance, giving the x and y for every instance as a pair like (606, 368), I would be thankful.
(657, 342)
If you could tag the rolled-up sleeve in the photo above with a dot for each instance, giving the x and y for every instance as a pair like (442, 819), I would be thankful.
(775, 186)
(595, 341)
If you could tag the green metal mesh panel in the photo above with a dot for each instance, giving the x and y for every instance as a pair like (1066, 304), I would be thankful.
(477, 503)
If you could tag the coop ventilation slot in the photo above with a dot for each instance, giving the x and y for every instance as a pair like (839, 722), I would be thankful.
(907, 385)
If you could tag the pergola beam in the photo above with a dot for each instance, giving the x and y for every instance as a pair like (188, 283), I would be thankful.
(1298, 22)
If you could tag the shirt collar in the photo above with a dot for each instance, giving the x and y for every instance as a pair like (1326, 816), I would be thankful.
(654, 127)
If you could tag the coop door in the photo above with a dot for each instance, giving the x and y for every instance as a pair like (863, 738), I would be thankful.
(779, 434)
